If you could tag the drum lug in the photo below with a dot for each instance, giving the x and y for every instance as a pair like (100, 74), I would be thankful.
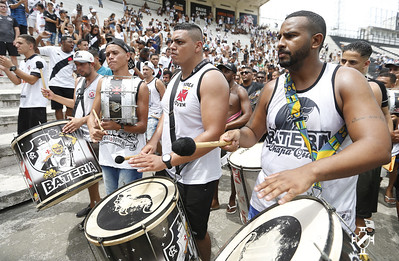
(100, 241)
(149, 240)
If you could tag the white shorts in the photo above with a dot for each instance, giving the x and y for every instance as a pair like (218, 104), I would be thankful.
(31, 21)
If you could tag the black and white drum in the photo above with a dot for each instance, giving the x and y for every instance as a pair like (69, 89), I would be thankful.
(143, 220)
(302, 229)
(55, 165)
(393, 101)
(118, 99)
(245, 167)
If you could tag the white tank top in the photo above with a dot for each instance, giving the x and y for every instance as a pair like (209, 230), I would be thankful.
(188, 123)
(121, 143)
(284, 147)
(155, 108)
(88, 99)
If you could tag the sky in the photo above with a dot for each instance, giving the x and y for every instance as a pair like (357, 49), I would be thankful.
(353, 13)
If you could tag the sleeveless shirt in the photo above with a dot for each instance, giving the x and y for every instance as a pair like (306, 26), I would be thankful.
(88, 99)
(188, 123)
(284, 147)
(155, 108)
(121, 143)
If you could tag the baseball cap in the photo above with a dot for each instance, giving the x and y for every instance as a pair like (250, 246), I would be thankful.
(228, 66)
(149, 65)
(93, 10)
(120, 43)
(83, 57)
(63, 11)
(396, 63)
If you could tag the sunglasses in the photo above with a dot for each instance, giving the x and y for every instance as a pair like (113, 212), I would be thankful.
(245, 72)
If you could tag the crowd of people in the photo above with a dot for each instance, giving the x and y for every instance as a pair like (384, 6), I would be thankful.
(238, 83)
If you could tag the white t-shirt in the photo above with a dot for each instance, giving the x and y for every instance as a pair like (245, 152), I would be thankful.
(165, 62)
(40, 22)
(61, 66)
(31, 96)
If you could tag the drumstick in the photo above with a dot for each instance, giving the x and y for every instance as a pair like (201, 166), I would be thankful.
(119, 159)
(186, 146)
(98, 120)
(40, 66)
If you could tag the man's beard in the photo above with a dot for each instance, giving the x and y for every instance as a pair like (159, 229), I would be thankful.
(296, 59)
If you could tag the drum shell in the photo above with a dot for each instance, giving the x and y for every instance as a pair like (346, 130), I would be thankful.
(55, 165)
(297, 233)
(244, 177)
(118, 99)
(160, 238)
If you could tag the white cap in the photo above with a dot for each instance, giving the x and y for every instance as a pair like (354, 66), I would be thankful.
(83, 57)
(93, 10)
(149, 65)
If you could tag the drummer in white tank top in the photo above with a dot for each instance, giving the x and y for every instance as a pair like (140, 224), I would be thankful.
(300, 39)
(84, 62)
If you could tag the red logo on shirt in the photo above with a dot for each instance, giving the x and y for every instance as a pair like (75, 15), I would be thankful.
(182, 95)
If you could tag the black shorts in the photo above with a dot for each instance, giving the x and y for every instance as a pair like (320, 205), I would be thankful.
(30, 117)
(368, 185)
(61, 91)
(197, 201)
(9, 47)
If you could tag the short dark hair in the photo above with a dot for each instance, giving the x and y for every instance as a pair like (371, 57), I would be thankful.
(153, 54)
(29, 39)
(195, 30)
(63, 38)
(391, 76)
(361, 47)
(94, 52)
(316, 22)
(167, 72)
(81, 40)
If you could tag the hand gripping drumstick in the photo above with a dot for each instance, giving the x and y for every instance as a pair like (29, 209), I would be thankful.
(186, 146)
(40, 66)
(98, 120)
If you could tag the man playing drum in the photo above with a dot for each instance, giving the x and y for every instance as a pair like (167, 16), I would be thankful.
(330, 97)
(199, 109)
(82, 103)
(119, 139)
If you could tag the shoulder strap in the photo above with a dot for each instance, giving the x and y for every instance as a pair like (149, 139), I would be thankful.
(79, 97)
(172, 126)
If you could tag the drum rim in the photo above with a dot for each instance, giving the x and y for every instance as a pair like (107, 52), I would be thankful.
(75, 188)
(138, 230)
(34, 129)
(244, 167)
(299, 197)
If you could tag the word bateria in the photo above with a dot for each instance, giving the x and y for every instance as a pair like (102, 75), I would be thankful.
(58, 181)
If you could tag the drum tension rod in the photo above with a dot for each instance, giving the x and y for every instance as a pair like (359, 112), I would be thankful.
(149, 240)
(323, 255)
(100, 241)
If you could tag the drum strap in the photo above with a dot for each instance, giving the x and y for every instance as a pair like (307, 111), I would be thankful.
(294, 106)
(172, 126)
(79, 97)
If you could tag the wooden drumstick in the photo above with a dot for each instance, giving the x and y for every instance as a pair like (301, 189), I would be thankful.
(98, 120)
(40, 66)
(119, 159)
(186, 146)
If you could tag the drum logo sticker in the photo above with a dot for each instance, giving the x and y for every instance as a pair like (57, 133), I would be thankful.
(180, 243)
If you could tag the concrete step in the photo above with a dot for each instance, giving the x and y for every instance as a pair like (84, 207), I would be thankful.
(9, 118)
(13, 188)
(9, 98)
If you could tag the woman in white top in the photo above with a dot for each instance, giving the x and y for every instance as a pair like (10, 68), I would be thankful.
(119, 34)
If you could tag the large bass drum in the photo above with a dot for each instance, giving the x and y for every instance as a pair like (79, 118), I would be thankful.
(245, 167)
(143, 220)
(302, 229)
(55, 165)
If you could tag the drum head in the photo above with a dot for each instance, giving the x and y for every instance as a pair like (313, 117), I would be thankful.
(287, 232)
(122, 215)
(249, 158)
